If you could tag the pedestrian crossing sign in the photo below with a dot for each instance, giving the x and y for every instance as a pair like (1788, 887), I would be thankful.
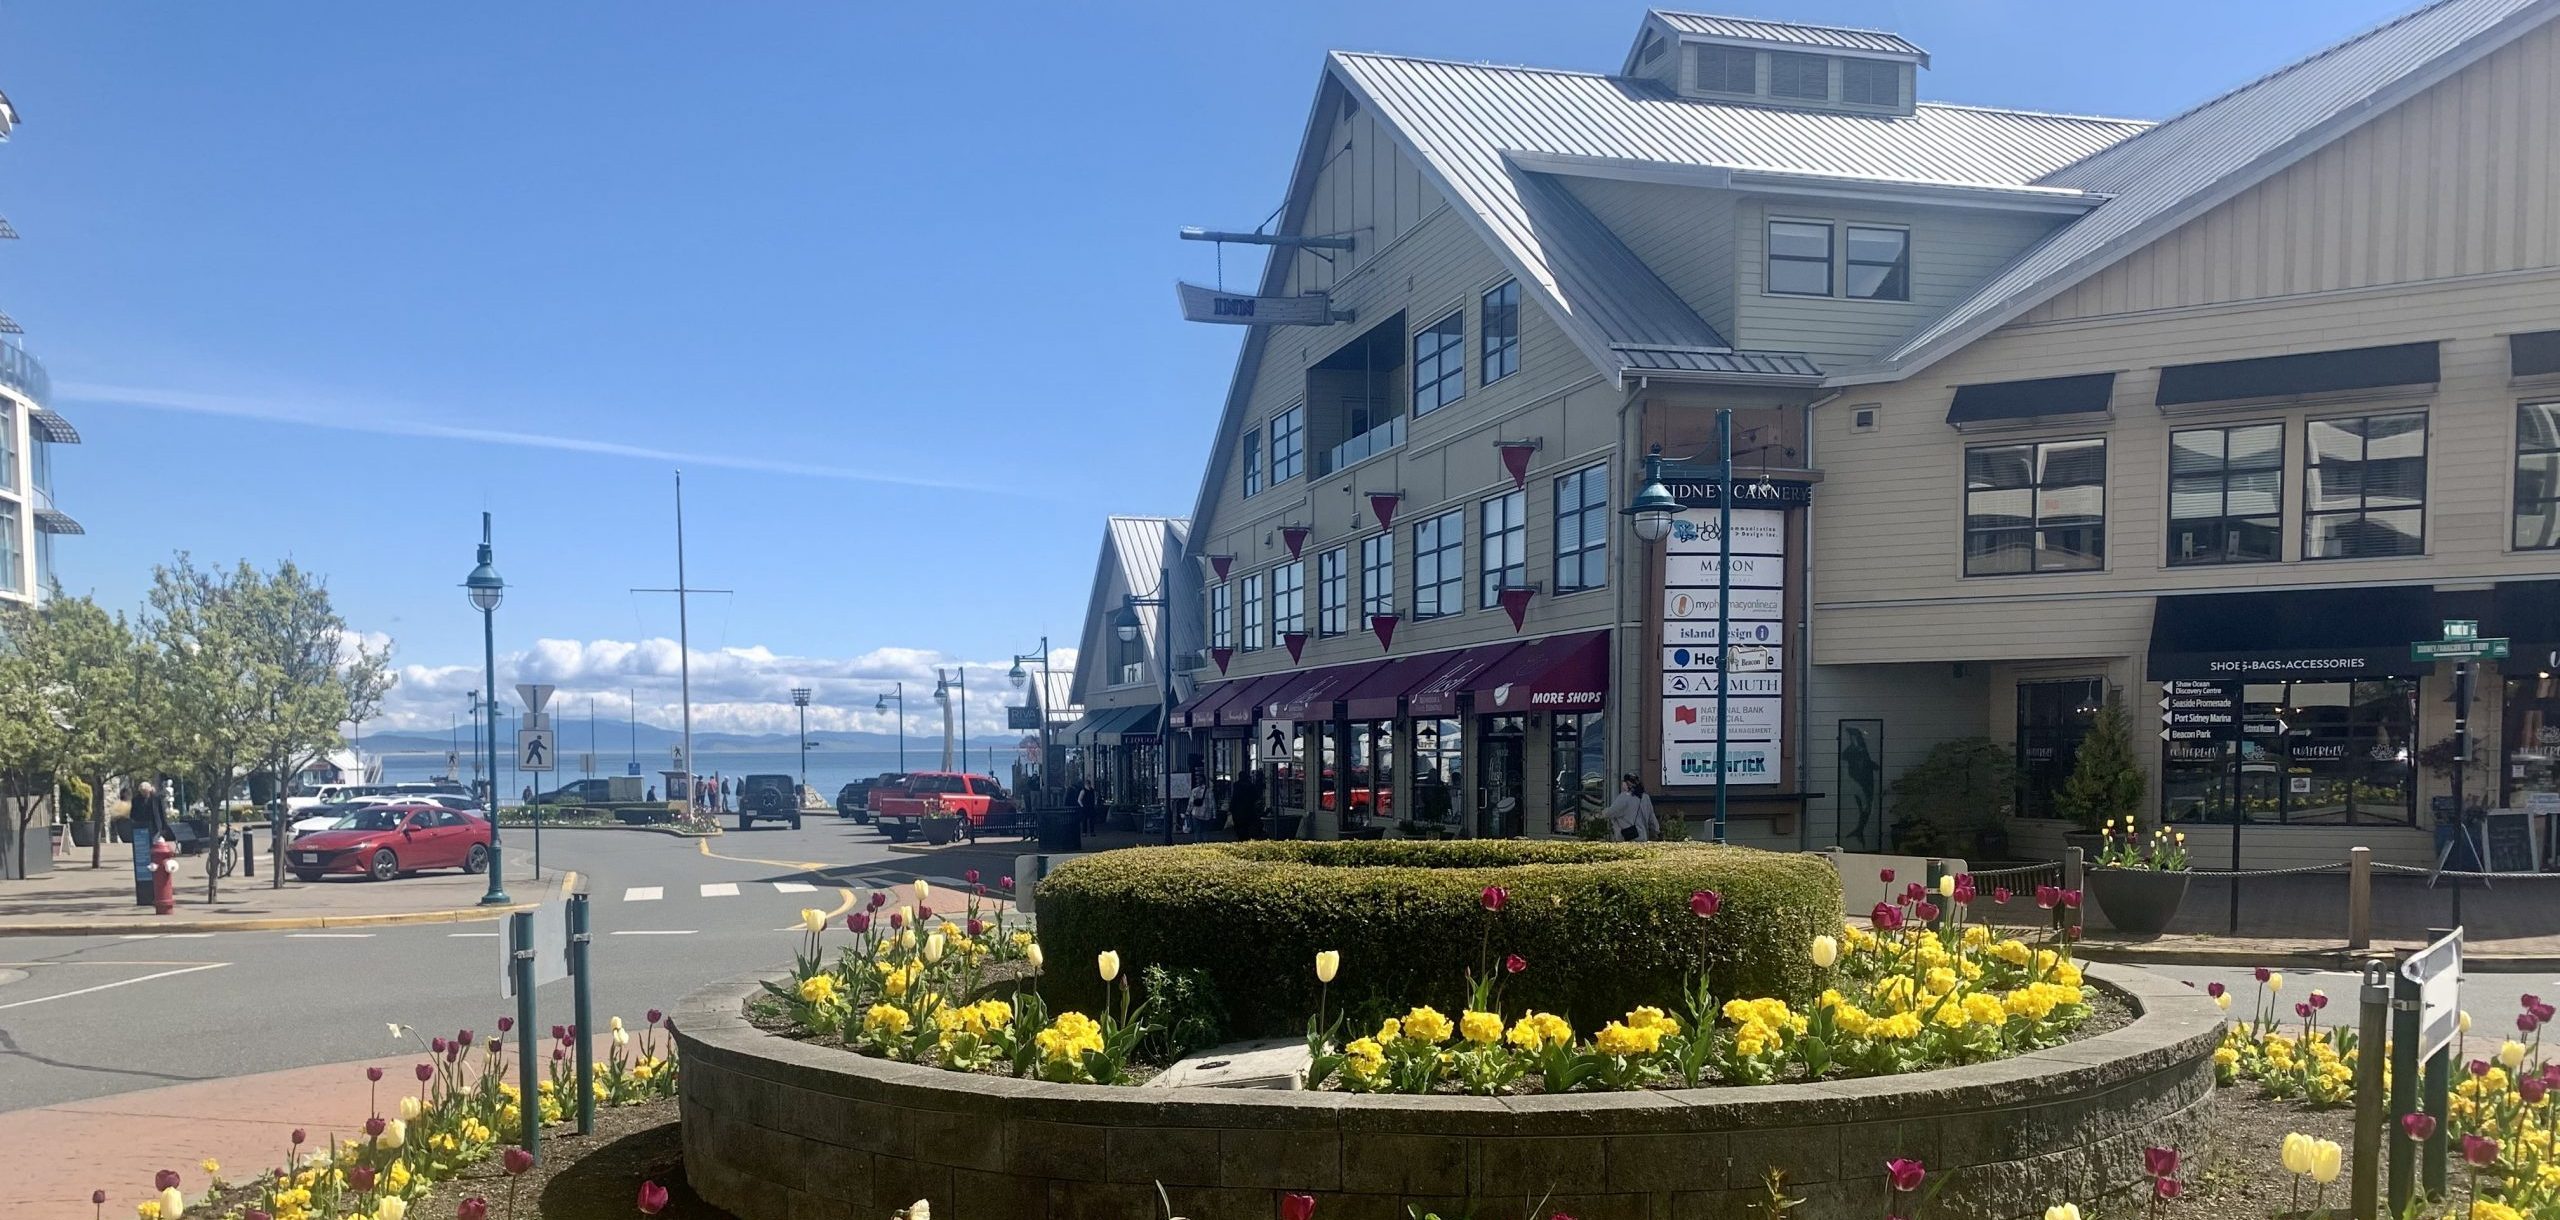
(533, 750)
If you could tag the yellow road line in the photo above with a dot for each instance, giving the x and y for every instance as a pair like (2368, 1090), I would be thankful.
(705, 845)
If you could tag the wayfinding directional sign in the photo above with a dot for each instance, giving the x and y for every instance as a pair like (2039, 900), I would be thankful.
(2200, 712)
(2462, 642)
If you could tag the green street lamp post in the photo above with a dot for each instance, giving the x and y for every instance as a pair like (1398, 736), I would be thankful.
(898, 693)
(486, 591)
(1040, 701)
(1650, 514)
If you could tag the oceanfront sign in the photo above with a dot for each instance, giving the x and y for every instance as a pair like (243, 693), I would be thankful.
(1242, 309)
(1748, 662)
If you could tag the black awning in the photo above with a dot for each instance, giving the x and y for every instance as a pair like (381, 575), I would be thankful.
(2535, 354)
(2353, 368)
(2291, 635)
(2527, 612)
(1994, 401)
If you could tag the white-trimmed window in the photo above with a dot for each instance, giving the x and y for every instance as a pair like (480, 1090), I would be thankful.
(2364, 488)
(1377, 575)
(1253, 613)
(1500, 321)
(1504, 522)
(1333, 592)
(1879, 258)
(1252, 462)
(1440, 363)
(1288, 444)
(1440, 565)
(1289, 599)
(1582, 530)
(1800, 258)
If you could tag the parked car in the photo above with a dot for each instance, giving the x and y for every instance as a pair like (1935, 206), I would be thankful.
(854, 799)
(770, 798)
(973, 797)
(387, 841)
(577, 792)
(323, 817)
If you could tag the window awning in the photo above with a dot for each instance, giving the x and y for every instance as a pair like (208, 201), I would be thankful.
(2352, 368)
(2291, 635)
(1201, 704)
(1242, 710)
(49, 426)
(2533, 355)
(1127, 726)
(2527, 612)
(1438, 694)
(1561, 673)
(1380, 695)
(1081, 732)
(55, 521)
(1313, 695)
(2010, 401)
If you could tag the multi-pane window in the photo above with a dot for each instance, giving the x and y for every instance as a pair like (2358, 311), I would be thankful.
(9, 445)
(1440, 364)
(2036, 507)
(1870, 82)
(1728, 70)
(2226, 494)
(1879, 263)
(2364, 487)
(10, 578)
(1288, 444)
(1500, 319)
(1440, 565)
(1128, 660)
(1333, 591)
(1582, 530)
(2537, 476)
(1253, 614)
(1289, 599)
(1505, 523)
(1796, 75)
(1252, 462)
(1222, 615)
(1377, 575)
(1800, 257)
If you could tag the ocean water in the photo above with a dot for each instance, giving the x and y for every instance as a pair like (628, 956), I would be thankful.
(829, 769)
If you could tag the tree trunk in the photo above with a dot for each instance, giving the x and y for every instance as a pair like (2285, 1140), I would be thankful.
(98, 822)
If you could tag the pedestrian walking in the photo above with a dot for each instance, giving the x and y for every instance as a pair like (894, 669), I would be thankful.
(1630, 813)
(1245, 804)
(1200, 811)
(1088, 806)
(148, 818)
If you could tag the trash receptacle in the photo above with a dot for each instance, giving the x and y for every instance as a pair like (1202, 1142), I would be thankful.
(1061, 830)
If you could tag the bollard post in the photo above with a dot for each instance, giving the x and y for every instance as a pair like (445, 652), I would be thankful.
(279, 822)
(578, 947)
(2359, 897)
(2404, 1082)
(529, 1096)
(249, 852)
(2372, 1032)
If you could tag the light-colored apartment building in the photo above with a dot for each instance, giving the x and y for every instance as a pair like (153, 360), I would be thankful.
(29, 429)
(2032, 412)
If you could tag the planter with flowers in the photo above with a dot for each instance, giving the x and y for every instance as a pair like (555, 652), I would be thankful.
(2140, 881)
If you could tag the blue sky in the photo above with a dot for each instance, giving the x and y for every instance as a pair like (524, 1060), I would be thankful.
(891, 282)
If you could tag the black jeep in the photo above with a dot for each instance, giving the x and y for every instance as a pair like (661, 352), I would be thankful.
(771, 798)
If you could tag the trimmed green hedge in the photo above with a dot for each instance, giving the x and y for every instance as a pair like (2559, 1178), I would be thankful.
(1604, 926)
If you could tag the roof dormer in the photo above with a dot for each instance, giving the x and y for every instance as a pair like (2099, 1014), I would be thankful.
(1776, 63)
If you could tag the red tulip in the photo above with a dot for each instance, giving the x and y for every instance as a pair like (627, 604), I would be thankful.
(2480, 1150)
(879, 899)
(1885, 917)
(299, 1135)
(1885, 875)
(559, 1033)
(656, 1016)
(373, 1125)
(2528, 1000)
(923, 913)
(2215, 990)
(98, 1197)
(559, 1053)
(2303, 1011)
(436, 1044)
(515, 1161)
(1514, 964)
(2000, 894)
(859, 922)
(971, 876)
(897, 920)
(2048, 896)
(653, 1198)
(373, 1074)
(164, 1180)
(2544, 1012)
(2532, 1089)
(977, 927)
(1705, 903)
(473, 1208)
(2263, 974)
(2525, 1023)
(1494, 896)
(2319, 999)
(505, 1024)
(2418, 1126)
(2165, 1189)
(2479, 1067)
(1297, 1207)
(426, 1072)
(361, 1178)
(2160, 1162)
(496, 1045)
(1926, 912)
(2071, 899)
(464, 1037)
(1005, 882)
(1905, 1174)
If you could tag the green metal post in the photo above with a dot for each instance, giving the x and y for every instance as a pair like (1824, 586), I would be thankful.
(529, 1100)
(2372, 1030)
(579, 940)
(2404, 1082)
(2438, 1083)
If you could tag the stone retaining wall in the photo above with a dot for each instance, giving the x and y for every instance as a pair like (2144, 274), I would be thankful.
(780, 1130)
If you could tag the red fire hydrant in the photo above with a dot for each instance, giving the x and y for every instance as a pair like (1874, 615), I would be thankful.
(164, 876)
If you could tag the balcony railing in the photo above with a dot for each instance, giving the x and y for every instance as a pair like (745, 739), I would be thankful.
(24, 374)
(1364, 446)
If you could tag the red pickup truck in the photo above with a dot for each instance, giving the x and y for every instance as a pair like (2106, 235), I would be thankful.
(898, 811)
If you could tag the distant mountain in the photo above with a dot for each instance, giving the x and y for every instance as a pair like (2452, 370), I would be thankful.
(650, 739)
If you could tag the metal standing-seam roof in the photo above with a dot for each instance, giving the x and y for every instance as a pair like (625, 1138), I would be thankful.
(1471, 126)
(1827, 37)
(1143, 549)
(2180, 168)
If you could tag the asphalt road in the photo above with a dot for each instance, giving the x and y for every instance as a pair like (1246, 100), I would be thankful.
(94, 1016)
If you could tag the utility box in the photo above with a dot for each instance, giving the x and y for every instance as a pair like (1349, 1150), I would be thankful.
(621, 789)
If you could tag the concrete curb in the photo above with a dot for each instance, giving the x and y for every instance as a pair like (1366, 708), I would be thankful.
(2298, 959)
(280, 923)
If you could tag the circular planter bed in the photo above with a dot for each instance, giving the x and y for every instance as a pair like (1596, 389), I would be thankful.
(775, 1128)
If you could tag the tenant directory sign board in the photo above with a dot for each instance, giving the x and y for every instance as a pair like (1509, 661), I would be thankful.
(1748, 662)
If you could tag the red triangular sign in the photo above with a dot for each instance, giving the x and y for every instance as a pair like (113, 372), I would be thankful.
(1515, 458)
(1385, 627)
(1296, 537)
(1222, 656)
(1515, 602)
(1382, 504)
(1220, 563)
(1297, 642)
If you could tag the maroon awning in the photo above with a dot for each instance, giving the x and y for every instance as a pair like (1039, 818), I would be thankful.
(1245, 708)
(1202, 703)
(1313, 695)
(1377, 697)
(1437, 695)
(1561, 673)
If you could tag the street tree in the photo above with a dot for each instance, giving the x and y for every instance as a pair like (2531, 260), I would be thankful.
(311, 675)
(66, 696)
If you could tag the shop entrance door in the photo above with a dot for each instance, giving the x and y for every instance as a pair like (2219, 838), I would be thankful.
(1498, 780)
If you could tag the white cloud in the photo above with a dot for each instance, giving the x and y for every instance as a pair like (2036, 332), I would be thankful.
(735, 689)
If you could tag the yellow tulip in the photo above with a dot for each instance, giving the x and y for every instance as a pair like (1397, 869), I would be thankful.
(1947, 885)
(172, 1204)
(907, 939)
(1034, 955)
(2275, 982)
(2511, 1053)
(615, 1025)
(1328, 963)
(2062, 1211)
(933, 947)
(622, 1037)
(2297, 1153)
(924, 891)
(410, 1108)
(391, 1209)
(920, 1210)
(2463, 1019)
(2326, 1161)
(1108, 962)
(2223, 1001)
(394, 1134)
(1825, 951)
(813, 919)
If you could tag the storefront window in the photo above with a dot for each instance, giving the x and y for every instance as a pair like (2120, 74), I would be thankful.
(1581, 756)
(1437, 773)
(2053, 717)
(2532, 740)
(1504, 747)
(1373, 768)
(2310, 753)
(1289, 777)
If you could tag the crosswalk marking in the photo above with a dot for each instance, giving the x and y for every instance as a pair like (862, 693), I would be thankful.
(719, 889)
(329, 935)
(653, 932)
(793, 887)
(644, 893)
(472, 935)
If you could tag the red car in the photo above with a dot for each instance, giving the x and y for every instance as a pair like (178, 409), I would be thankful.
(386, 841)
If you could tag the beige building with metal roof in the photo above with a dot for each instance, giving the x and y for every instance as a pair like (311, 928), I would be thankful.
(1983, 366)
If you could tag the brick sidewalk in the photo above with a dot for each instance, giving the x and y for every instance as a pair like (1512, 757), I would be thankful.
(117, 1143)
(80, 899)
